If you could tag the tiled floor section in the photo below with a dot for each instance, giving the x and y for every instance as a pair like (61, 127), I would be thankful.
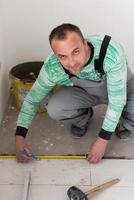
(50, 179)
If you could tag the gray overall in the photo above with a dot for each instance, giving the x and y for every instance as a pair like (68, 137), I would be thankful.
(71, 103)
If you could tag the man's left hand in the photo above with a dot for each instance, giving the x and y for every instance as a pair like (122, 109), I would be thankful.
(97, 150)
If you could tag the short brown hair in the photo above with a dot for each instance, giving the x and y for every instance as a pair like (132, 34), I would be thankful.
(60, 32)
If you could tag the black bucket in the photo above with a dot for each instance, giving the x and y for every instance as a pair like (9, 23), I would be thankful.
(26, 72)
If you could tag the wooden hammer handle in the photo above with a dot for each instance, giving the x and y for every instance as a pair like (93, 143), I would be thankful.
(102, 187)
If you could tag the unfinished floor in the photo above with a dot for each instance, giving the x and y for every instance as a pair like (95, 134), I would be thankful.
(49, 137)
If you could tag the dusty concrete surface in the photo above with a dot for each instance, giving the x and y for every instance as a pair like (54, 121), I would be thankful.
(49, 137)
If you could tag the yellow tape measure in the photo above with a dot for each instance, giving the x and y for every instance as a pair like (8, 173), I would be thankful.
(47, 157)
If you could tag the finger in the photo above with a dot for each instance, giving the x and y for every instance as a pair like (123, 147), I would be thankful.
(95, 159)
(23, 155)
(92, 157)
(89, 156)
(28, 151)
(23, 159)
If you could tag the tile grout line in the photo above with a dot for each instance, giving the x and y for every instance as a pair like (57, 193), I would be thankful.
(91, 175)
(59, 185)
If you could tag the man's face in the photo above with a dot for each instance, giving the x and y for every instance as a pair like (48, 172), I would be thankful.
(72, 52)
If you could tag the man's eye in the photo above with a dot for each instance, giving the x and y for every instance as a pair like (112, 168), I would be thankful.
(76, 51)
(62, 57)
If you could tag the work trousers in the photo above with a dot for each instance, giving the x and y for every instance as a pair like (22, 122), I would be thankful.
(71, 103)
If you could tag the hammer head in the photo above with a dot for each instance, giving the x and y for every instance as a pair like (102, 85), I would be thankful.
(75, 193)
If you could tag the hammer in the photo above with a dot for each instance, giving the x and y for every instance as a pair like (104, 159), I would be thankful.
(75, 193)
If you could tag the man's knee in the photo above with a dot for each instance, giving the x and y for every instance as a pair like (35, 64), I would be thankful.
(54, 110)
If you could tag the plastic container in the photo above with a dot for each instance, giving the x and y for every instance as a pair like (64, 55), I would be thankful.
(22, 78)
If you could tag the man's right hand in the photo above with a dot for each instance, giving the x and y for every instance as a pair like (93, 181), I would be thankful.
(21, 145)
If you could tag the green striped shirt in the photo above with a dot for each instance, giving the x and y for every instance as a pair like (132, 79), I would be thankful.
(52, 73)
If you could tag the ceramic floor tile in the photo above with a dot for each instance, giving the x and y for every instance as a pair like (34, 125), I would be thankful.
(110, 169)
(114, 193)
(12, 172)
(52, 178)
(66, 172)
(36, 192)
(48, 192)
(11, 192)
(56, 192)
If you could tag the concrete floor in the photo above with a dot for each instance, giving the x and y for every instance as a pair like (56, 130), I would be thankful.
(49, 137)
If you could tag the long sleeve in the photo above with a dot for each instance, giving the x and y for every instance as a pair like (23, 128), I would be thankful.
(116, 86)
(116, 78)
(39, 90)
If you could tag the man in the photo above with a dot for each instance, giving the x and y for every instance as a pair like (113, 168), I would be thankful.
(72, 65)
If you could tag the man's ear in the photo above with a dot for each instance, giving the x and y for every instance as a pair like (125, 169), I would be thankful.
(84, 42)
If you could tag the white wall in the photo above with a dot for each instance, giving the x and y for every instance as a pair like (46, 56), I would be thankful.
(27, 24)
(4, 86)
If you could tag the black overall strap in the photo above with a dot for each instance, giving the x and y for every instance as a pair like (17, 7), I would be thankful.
(99, 62)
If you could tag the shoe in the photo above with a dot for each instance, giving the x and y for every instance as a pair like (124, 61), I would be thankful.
(78, 132)
(122, 133)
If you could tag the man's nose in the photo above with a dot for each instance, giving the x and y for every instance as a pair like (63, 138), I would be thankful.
(71, 62)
